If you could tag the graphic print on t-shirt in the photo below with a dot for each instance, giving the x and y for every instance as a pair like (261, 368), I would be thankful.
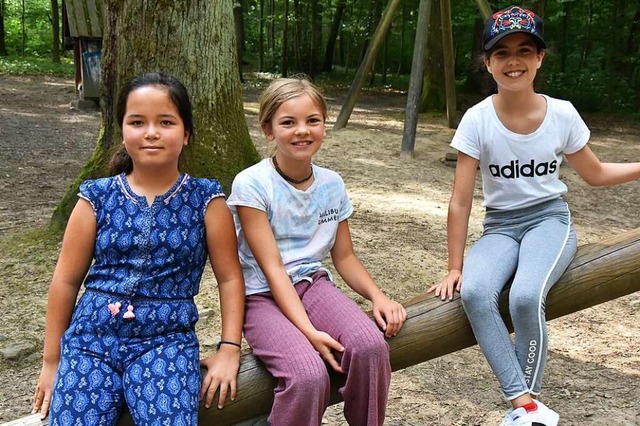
(514, 169)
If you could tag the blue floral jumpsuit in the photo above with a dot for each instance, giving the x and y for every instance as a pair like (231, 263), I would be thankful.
(131, 337)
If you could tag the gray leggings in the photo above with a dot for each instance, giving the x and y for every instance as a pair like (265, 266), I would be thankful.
(534, 245)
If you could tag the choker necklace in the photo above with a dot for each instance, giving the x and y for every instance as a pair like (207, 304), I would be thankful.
(290, 179)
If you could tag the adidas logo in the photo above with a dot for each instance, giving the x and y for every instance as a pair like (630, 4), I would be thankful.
(515, 170)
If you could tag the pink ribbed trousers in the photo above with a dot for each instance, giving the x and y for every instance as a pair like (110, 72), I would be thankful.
(302, 393)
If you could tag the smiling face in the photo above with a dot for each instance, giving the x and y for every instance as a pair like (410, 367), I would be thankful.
(152, 128)
(514, 62)
(297, 128)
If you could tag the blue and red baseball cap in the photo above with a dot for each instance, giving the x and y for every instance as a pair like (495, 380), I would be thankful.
(513, 19)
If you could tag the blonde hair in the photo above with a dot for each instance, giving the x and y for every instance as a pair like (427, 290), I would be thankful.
(283, 89)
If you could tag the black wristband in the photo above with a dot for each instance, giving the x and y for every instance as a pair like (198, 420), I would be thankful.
(227, 342)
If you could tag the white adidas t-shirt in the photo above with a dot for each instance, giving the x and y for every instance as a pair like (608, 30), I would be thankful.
(520, 170)
(304, 223)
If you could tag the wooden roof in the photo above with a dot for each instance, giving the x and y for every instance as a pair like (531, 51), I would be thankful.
(85, 17)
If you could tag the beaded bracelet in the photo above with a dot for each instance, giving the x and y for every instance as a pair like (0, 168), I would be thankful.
(227, 342)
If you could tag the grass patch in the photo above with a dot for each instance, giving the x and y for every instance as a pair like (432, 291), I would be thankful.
(28, 250)
(32, 65)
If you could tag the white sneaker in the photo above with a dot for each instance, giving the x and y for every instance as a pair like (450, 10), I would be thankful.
(512, 415)
(542, 416)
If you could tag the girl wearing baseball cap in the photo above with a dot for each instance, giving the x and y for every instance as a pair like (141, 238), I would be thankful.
(518, 138)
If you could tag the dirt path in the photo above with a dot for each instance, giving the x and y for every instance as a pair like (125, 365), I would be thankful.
(593, 374)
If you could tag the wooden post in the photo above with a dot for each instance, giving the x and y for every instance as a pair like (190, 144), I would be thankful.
(485, 8)
(600, 272)
(449, 68)
(366, 65)
(415, 83)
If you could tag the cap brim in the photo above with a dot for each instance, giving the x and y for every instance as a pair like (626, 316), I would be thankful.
(489, 45)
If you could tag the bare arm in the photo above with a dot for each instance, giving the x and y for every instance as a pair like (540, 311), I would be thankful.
(261, 240)
(222, 368)
(458, 224)
(596, 173)
(73, 263)
(388, 314)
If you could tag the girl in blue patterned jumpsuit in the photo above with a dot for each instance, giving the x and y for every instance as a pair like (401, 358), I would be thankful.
(148, 231)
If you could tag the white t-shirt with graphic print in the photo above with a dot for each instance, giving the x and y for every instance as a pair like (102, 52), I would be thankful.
(520, 170)
(304, 223)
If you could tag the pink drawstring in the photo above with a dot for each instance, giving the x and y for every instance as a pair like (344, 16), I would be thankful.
(114, 309)
(129, 314)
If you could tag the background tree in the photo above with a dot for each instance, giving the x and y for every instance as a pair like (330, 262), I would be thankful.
(589, 64)
(55, 31)
(201, 52)
(3, 46)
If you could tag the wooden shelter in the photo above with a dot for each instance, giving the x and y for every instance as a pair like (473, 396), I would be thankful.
(83, 22)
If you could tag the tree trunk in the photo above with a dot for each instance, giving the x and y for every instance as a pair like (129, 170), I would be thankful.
(3, 44)
(433, 94)
(297, 35)
(415, 82)
(201, 52)
(55, 31)
(24, 30)
(261, 39)
(587, 38)
(485, 8)
(285, 39)
(238, 21)
(333, 36)
(449, 66)
(316, 38)
(366, 65)
(272, 35)
(374, 20)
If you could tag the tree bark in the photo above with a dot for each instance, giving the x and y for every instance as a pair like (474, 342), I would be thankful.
(316, 38)
(285, 39)
(297, 35)
(238, 20)
(449, 66)
(3, 44)
(261, 38)
(195, 42)
(333, 36)
(433, 95)
(55, 31)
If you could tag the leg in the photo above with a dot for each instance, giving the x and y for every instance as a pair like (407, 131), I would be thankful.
(87, 389)
(365, 358)
(162, 380)
(302, 393)
(488, 266)
(545, 252)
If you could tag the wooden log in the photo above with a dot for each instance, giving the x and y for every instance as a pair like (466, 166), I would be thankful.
(600, 272)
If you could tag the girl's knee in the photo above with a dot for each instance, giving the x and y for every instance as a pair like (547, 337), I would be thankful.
(477, 296)
(371, 348)
(524, 305)
(310, 380)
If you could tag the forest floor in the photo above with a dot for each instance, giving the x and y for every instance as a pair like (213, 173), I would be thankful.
(593, 372)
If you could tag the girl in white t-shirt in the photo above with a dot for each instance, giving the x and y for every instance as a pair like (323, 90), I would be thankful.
(518, 138)
(290, 214)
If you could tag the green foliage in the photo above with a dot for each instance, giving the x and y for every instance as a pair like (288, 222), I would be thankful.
(37, 27)
(18, 65)
(587, 63)
(593, 58)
